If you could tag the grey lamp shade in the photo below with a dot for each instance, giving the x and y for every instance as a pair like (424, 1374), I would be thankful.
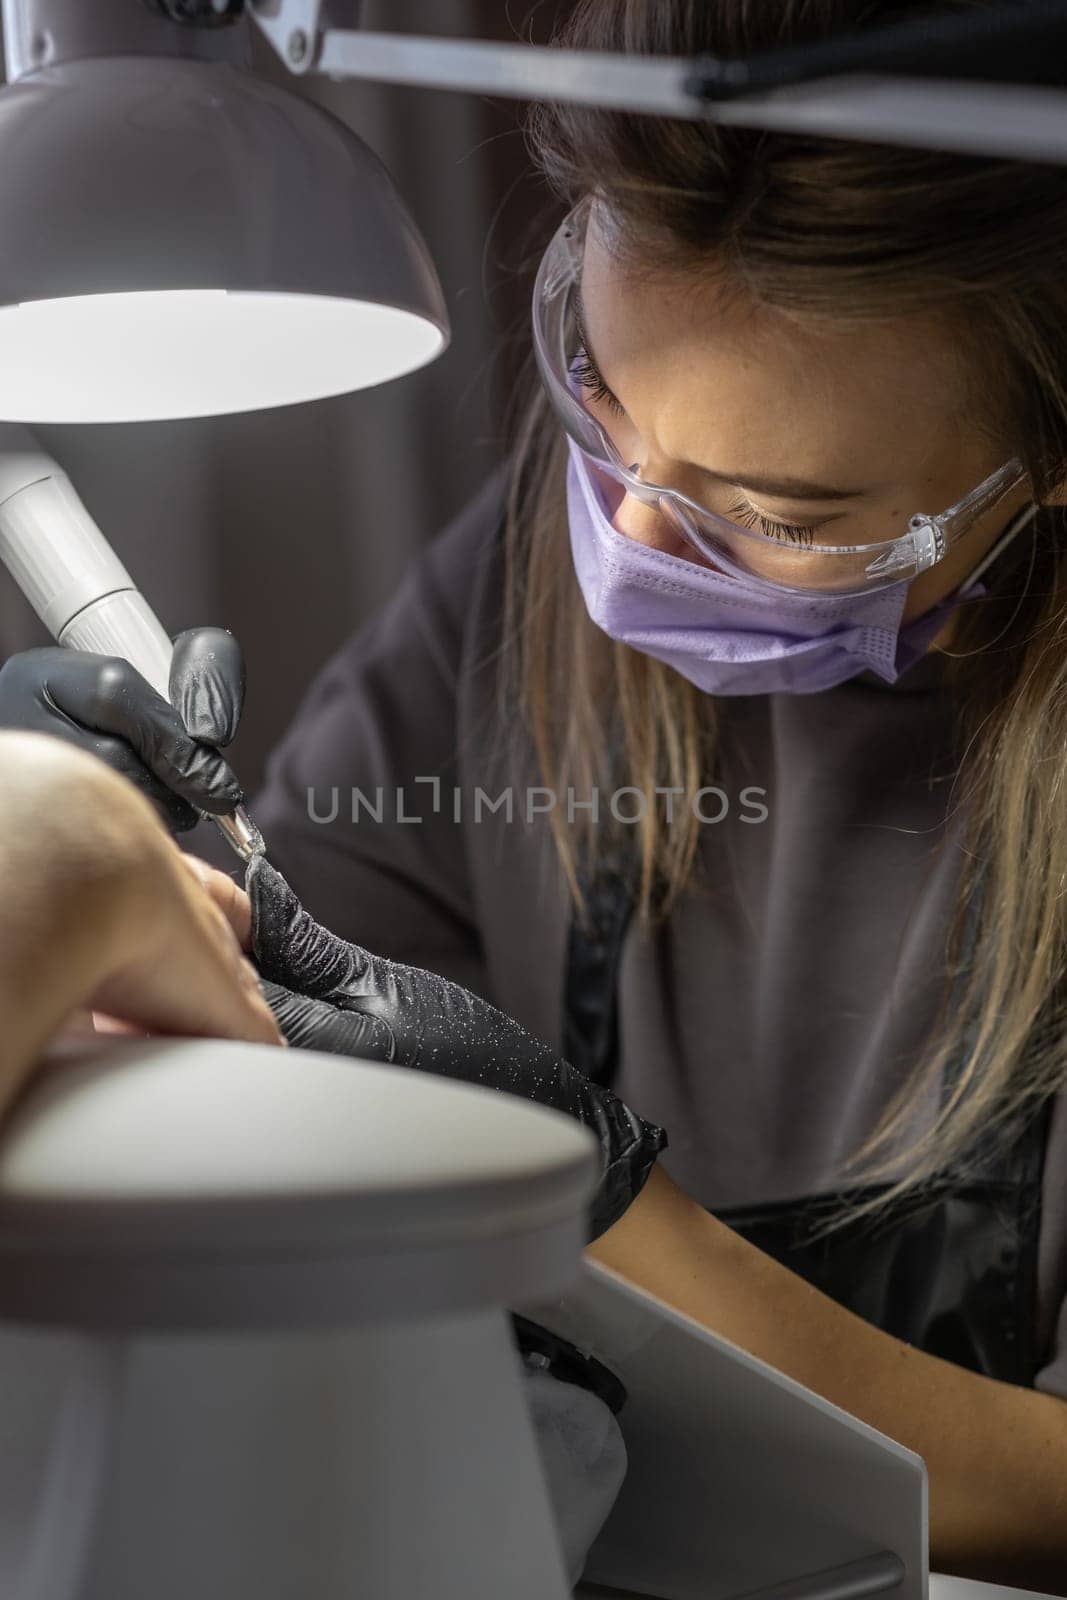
(179, 239)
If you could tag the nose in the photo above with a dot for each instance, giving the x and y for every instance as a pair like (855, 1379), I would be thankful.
(645, 525)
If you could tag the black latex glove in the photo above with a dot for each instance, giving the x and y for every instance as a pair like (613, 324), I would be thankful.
(103, 705)
(329, 995)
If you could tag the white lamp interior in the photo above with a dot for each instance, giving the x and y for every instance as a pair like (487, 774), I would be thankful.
(190, 353)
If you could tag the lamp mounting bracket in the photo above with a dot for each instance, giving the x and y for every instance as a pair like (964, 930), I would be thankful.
(293, 28)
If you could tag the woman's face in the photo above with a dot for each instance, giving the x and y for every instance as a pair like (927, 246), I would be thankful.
(844, 432)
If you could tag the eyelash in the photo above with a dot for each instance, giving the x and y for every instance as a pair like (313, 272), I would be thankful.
(790, 532)
(589, 377)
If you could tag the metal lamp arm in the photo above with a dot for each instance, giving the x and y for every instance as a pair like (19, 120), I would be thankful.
(838, 88)
(990, 83)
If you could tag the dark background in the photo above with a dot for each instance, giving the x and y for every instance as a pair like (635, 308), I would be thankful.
(313, 512)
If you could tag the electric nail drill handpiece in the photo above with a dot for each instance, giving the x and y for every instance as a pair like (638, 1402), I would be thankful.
(77, 585)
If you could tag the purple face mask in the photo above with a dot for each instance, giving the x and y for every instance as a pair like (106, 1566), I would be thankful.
(737, 635)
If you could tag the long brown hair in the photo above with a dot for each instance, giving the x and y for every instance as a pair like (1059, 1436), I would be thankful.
(832, 229)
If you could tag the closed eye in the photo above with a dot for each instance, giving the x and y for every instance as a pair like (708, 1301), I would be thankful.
(589, 377)
(589, 374)
(790, 532)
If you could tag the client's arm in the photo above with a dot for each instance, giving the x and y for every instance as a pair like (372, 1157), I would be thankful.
(98, 909)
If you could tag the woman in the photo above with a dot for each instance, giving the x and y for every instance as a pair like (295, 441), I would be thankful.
(763, 637)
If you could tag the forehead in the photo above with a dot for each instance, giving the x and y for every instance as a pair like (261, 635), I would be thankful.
(710, 376)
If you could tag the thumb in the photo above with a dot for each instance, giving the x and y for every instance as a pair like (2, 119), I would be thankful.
(317, 1025)
(290, 947)
(207, 683)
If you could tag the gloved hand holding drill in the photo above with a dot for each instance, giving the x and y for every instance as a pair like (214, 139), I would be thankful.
(103, 705)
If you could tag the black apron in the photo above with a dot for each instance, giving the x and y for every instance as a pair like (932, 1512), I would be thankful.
(952, 1271)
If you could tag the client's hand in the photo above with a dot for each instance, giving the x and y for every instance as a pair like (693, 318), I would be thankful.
(187, 973)
(101, 914)
(333, 996)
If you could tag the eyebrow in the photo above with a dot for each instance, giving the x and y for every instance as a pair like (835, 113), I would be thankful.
(776, 488)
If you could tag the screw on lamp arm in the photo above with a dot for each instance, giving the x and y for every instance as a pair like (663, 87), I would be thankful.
(296, 29)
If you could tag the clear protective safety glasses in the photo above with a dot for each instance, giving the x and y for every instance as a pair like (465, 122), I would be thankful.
(578, 402)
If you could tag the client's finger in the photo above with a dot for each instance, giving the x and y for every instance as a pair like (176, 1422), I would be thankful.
(227, 895)
(187, 974)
